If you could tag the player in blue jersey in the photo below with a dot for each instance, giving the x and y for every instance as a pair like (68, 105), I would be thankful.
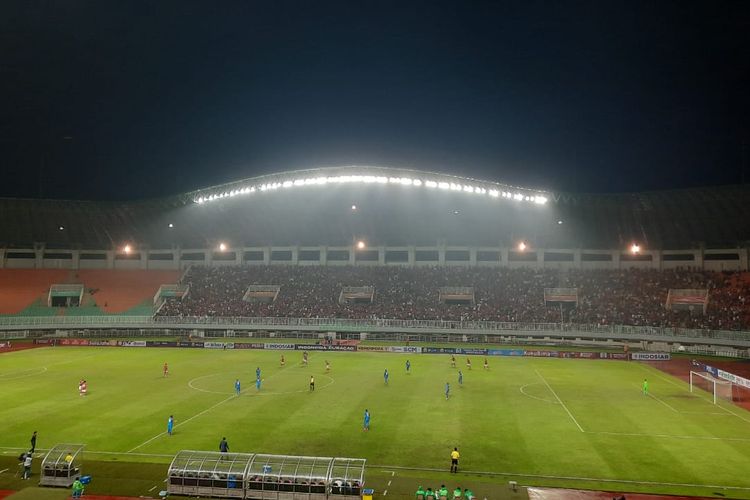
(237, 387)
(447, 390)
(257, 372)
(367, 420)
(170, 425)
(408, 366)
(257, 383)
(385, 376)
(460, 378)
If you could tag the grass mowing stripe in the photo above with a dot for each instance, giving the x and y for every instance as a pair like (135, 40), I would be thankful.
(559, 400)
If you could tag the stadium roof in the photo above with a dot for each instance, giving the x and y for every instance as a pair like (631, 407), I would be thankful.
(384, 206)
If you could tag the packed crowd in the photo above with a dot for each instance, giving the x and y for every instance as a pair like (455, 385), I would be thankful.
(627, 297)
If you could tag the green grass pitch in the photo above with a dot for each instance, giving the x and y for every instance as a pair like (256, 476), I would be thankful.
(549, 421)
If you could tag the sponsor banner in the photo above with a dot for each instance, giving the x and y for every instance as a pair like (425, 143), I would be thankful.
(3, 345)
(713, 371)
(472, 352)
(249, 345)
(349, 348)
(218, 345)
(112, 343)
(540, 354)
(184, 343)
(132, 343)
(283, 347)
(505, 352)
(617, 355)
(44, 341)
(405, 348)
(161, 343)
(735, 379)
(650, 356)
(74, 342)
(439, 350)
(309, 347)
(372, 348)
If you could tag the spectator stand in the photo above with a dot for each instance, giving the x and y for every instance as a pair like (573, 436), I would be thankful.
(61, 465)
(208, 473)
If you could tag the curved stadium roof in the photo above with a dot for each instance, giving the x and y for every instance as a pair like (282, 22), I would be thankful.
(394, 207)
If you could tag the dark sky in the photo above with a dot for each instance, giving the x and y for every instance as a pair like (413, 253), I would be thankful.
(126, 99)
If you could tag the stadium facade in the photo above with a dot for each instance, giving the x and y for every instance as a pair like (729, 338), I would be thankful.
(382, 216)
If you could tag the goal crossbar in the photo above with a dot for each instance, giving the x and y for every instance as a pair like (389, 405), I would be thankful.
(718, 388)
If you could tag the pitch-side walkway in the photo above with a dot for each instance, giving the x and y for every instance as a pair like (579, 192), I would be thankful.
(563, 494)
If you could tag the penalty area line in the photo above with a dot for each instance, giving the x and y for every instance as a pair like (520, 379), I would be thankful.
(559, 401)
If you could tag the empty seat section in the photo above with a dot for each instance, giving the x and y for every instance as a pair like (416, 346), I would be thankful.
(116, 291)
(21, 288)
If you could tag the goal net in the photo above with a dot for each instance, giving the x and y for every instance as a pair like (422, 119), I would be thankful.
(717, 388)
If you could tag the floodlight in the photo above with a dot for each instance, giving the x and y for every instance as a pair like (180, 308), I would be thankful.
(170, 225)
(354, 207)
(60, 228)
(127, 248)
(635, 249)
(522, 246)
(222, 247)
(361, 245)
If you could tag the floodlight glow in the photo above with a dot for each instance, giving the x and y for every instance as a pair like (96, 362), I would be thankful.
(559, 222)
(361, 245)
(521, 246)
(354, 207)
(127, 248)
(635, 249)
(222, 247)
(448, 183)
(170, 226)
(61, 228)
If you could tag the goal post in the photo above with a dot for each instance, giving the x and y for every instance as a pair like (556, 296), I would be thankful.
(716, 387)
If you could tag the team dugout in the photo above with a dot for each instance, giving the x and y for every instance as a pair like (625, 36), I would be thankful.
(260, 476)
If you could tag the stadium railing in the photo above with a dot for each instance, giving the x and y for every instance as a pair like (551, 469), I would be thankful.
(723, 337)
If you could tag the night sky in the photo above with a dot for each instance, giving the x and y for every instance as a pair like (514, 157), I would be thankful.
(128, 100)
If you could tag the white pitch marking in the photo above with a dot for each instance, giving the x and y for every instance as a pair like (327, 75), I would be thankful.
(663, 402)
(153, 488)
(673, 436)
(184, 422)
(654, 371)
(535, 397)
(559, 400)
(571, 478)
(389, 482)
(4, 470)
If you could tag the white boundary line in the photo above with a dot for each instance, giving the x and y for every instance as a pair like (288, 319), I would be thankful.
(672, 436)
(569, 478)
(559, 400)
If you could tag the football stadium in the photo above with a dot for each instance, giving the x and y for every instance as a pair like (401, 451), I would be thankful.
(371, 332)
